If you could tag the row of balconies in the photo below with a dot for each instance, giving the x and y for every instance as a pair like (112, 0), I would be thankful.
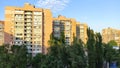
(28, 20)
(28, 13)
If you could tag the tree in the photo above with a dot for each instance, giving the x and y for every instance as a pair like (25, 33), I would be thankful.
(110, 54)
(52, 40)
(13, 57)
(19, 52)
(118, 58)
(99, 51)
(5, 56)
(91, 48)
(61, 55)
(62, 37)
(38, 60)
(112, 43)
(56, 52)
(77, 54)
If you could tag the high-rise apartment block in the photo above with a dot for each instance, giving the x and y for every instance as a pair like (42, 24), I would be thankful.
(29, 26)
(81, 30)
(1, 33)
(32, 27)
(66, 25)
(109, 34)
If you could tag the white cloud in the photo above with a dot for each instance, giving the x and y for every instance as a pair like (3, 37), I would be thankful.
(54, 5)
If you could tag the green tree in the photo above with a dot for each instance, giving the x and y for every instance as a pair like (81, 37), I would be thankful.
(61, 55)
(13, 56)
(99, 51)
(56, 52)
(91, 48)
(112, 43)
(110, 54)
(77, 54)
(5, 56)
(52, 40)
(38, 60)
(62, 38)
(19, 56)
(118, 58)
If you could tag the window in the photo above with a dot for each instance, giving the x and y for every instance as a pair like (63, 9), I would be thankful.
(18, 26)
(19, 34)
(17, 38)
(67, 37)
(81, 30)
(37, 49)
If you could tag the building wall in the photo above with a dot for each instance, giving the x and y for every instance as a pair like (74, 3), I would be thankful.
(78, 30)
(1, 33)
(67, 25)
(73, 28)
(109, 34)
(47, 28)
(82, 31)
(9, 25)
(28, 25)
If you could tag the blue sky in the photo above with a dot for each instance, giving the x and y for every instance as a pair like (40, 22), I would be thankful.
(98, 14)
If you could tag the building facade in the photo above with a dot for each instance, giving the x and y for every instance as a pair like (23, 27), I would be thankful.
(109, 34)
(66, 25)
(81, 30)
(1, 33)
(29, 26)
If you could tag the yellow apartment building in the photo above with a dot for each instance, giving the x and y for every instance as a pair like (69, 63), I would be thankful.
(28, 25)
(81, 29)
(78, 30)
(1, 33)
(109, 34)
(67, 25)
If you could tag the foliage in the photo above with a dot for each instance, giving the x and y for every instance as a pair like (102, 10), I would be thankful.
(99, 51)
(61, 55)
(95, 49)
(77, 54)
(112, 43)
(91, 48)
(111, 55)
(13, 57)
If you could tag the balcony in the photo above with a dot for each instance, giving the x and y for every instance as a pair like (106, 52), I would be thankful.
(28, 13)
(27, 31)
(28, 16)
(19, 12)
(28, 20)
(28, 24)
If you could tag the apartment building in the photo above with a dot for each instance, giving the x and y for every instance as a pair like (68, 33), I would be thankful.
(1, 33)
(66, 25)
(81, 29)
(78, 30)
(29, 26)
(109, 34)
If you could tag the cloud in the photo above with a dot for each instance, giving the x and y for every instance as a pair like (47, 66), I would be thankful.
(54, 5)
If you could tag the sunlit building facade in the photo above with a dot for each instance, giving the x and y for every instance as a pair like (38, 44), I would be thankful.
(29, 26)
(109, 34)
(66, 25)
(81, 30)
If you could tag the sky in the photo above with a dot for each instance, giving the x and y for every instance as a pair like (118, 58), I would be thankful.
(98, 14)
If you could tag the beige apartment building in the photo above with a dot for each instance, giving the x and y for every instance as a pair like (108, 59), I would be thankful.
(109, 34)
(1, 33)
(28, 25)
(66, 25)
(81, 31)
